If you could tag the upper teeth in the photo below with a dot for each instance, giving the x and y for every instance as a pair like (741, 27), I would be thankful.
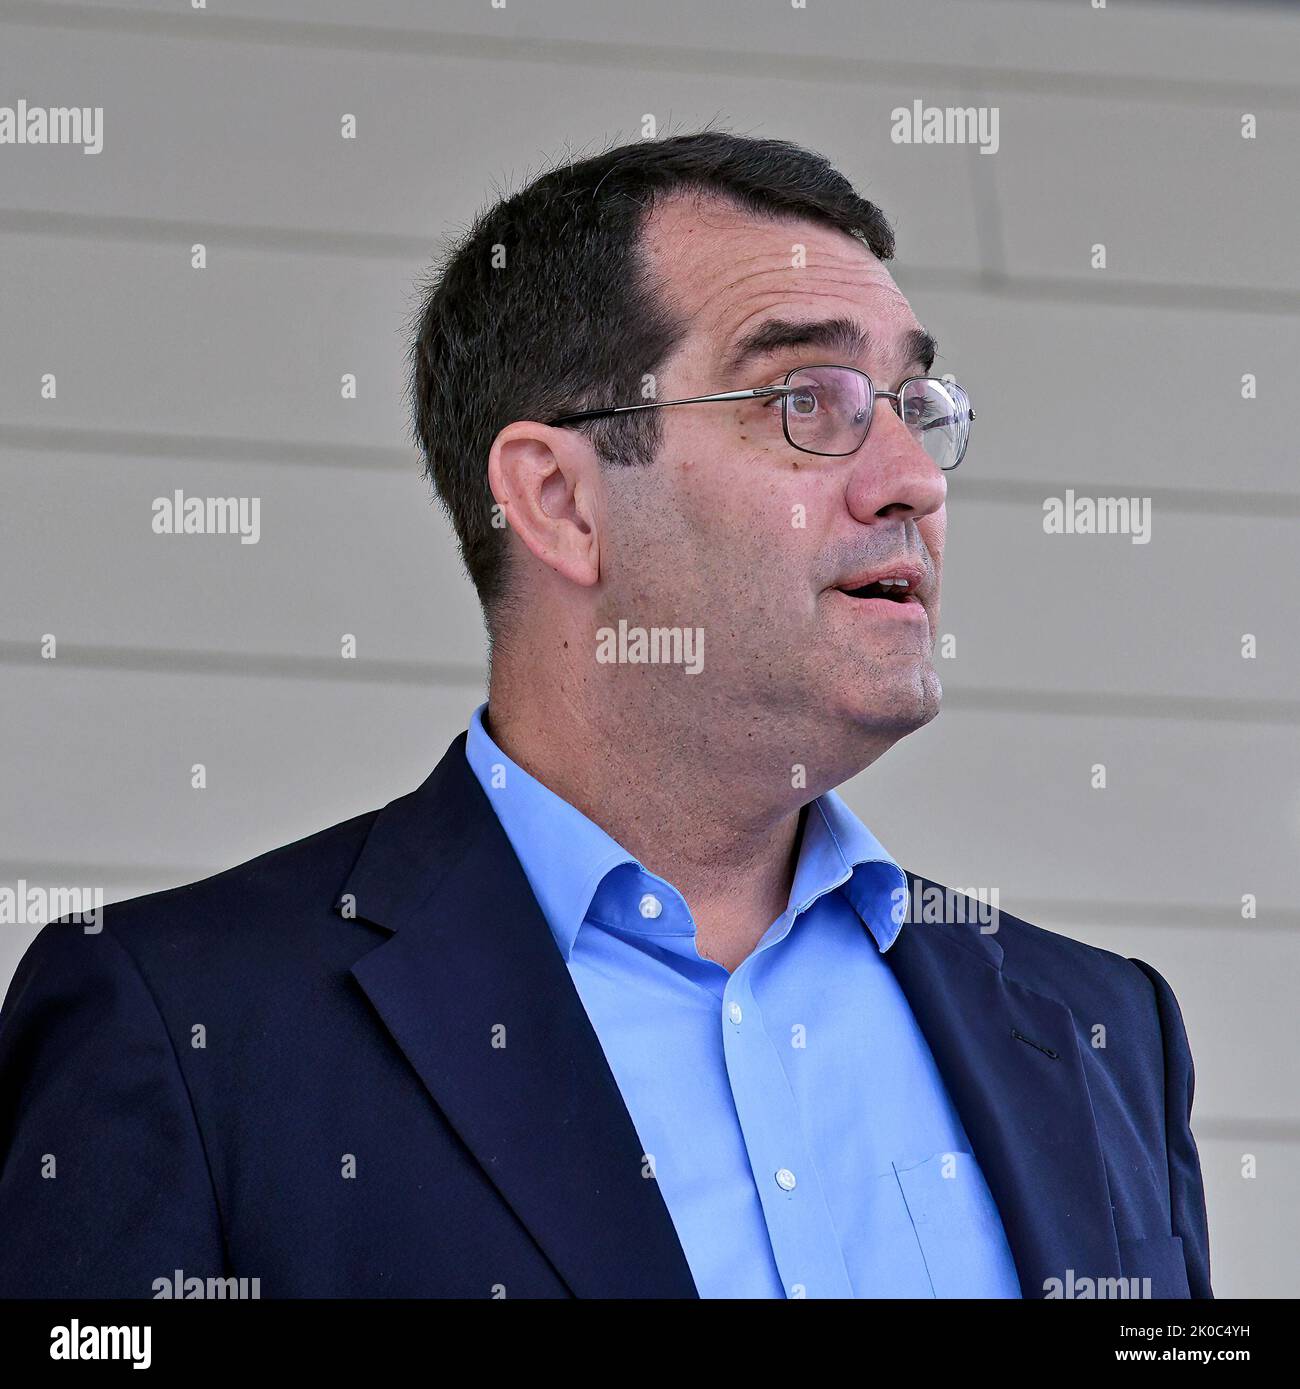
(900, 583)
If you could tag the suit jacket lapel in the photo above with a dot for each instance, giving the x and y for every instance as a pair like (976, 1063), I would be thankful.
(1010, 1059)
(474, 991)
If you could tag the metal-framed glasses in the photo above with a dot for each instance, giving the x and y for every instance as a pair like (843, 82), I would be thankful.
(827, 410)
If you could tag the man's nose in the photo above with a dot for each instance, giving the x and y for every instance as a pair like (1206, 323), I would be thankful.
(891, 473)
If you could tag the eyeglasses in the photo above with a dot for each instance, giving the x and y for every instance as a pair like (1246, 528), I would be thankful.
(827, 410)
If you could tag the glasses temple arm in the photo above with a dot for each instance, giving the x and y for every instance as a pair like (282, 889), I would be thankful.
(721, 396)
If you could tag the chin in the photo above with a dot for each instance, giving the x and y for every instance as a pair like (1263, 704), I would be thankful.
(893, 708)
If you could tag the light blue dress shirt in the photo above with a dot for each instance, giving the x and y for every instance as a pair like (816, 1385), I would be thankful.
(801, 1135)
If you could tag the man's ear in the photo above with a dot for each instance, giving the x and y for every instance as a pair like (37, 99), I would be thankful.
(547, 482)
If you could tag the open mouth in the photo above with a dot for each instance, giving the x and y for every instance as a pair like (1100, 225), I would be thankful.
(895, 590)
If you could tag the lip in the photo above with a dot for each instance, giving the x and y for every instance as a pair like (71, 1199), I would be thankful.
(912, 608)
(909, 609)
(915, 574)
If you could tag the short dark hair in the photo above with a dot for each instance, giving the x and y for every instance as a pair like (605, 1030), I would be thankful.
(544, 307)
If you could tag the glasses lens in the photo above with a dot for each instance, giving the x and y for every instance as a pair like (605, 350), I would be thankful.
(829, 411)
(938, 414)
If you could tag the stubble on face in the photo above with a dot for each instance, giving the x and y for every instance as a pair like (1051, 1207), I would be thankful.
(734, 533)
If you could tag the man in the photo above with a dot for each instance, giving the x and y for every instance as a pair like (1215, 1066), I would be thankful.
(624, 1001)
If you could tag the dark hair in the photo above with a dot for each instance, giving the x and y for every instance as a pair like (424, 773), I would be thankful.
(544, 307)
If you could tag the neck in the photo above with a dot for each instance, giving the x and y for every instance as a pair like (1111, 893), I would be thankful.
(712, 820)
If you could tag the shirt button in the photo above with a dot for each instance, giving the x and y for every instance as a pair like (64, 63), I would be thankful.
(785, 1179)
(651, 906)
(735, 1014)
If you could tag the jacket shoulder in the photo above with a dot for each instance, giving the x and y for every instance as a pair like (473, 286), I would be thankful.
(269, 904)
(1069, 970)
(309, 870)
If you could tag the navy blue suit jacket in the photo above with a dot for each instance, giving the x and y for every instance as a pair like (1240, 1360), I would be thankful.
(292, 1071)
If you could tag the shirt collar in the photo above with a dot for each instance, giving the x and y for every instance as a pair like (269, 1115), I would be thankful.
(840, 851)
(565, 856)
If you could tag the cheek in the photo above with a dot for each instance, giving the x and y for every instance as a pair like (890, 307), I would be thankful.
(667, 537)
(736, 559)
(734, 516)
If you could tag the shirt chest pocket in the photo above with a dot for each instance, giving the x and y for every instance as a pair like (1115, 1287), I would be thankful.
(957, 1227)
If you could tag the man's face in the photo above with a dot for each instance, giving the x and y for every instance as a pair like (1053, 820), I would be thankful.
(735, 532)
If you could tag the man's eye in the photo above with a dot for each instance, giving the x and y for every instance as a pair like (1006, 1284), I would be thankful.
(802, 402)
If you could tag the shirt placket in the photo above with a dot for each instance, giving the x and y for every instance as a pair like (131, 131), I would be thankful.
(805, 1243)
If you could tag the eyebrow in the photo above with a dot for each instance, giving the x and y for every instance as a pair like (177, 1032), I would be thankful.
(844, 336)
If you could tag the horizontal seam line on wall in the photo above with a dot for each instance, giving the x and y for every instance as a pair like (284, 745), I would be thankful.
(96, 226)
(248, 664)
(1060, 913)
(209, 448)
(535, 49)
(1098, 290)
(1270, 1130)
(175, 661)
(1104, 704)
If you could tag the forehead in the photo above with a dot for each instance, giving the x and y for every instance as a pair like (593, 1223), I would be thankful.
(726, 270)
